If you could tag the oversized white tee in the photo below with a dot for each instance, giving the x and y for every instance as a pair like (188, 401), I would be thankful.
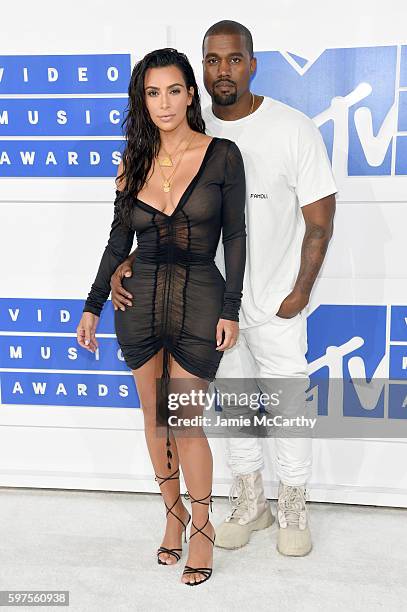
(287, 167)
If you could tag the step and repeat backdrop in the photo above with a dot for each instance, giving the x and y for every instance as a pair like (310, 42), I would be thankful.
(70, 419)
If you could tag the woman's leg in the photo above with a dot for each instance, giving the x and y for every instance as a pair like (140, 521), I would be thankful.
(145, 378)
(195, 457)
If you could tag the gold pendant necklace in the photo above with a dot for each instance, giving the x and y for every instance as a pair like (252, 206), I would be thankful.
(167, 180)
(166, 161)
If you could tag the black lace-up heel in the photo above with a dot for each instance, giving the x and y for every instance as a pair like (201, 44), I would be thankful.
(205, 571)
(175, 552)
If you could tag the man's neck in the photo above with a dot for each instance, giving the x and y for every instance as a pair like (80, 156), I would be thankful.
(240, 109)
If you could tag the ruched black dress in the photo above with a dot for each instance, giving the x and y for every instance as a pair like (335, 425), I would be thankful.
(178, 292)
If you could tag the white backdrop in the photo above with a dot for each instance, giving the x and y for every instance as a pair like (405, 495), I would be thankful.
(53, 231)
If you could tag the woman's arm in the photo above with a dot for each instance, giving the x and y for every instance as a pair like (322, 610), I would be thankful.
(234, 241)
(234, 232)
(117, 249)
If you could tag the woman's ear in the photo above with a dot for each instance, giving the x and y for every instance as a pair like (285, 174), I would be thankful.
(190, 95)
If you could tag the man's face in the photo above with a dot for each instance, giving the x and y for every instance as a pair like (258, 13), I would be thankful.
(227, 67)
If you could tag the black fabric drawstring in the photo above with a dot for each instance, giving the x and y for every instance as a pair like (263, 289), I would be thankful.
(163, 411)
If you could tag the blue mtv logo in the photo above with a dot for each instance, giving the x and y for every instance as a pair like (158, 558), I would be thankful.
(356, 96)
(365, 347)
(364, 350)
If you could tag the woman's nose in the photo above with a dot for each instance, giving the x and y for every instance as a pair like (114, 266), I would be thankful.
(164, 101)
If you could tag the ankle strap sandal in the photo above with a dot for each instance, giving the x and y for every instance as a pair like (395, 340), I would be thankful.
(169, 510)
(205, 571)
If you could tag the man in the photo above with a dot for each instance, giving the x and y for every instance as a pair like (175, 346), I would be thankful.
(289, 217)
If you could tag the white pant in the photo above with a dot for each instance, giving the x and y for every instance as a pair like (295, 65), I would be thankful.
(275, 349)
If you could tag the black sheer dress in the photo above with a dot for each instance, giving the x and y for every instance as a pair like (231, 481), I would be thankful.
(178, 292)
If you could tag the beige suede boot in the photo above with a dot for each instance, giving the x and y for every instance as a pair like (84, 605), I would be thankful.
(250, 512)
(294, 536)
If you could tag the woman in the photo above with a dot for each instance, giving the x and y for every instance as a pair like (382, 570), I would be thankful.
(177, 189)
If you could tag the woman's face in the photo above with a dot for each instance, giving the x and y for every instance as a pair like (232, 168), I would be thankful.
(166, 96)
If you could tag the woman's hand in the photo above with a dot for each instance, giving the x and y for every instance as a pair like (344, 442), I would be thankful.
(230, 329)
(86, 330)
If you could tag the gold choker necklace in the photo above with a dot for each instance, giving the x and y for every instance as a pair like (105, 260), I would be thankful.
(252, 106)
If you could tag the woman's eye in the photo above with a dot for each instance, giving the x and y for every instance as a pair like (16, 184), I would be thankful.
(151, 93)
(175, 91)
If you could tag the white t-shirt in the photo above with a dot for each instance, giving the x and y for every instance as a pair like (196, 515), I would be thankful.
(287, 166)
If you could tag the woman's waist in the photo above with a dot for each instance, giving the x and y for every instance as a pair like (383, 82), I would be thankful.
(172, 254)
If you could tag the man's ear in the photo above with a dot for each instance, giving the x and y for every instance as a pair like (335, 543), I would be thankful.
(253, 65)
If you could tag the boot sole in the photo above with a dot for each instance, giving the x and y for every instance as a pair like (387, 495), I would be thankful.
(294, 554)
(264, 521)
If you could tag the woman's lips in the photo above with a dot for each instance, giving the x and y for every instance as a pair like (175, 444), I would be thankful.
(166, 117)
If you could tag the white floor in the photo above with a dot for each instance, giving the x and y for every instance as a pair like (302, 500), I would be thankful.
(100, 547)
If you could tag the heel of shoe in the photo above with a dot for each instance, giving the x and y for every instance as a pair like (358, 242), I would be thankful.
(185, 529)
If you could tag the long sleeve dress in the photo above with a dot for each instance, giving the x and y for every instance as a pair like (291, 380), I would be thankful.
(178, 292)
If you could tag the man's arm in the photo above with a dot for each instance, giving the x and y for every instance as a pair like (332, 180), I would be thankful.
(120, 297)
(318, 218)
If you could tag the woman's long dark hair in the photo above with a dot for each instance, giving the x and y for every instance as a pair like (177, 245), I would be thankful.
(142, 135)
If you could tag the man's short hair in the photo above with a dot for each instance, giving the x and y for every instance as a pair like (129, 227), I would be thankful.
(230, 27)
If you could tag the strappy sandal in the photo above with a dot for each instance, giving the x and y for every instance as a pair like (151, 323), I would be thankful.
(175, 552)
(205, 571)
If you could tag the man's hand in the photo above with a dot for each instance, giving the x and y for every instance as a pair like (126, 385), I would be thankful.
(120, 297)
(292, 305)
(231, 331)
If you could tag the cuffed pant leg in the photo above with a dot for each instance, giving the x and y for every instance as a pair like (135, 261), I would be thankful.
(244, 454)
(279, 347)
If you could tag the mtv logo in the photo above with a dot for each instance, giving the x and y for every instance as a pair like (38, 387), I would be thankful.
(347, 348)
(357, 98)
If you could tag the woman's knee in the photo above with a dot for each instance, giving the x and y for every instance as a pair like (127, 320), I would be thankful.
(191, 437)
(150, 415)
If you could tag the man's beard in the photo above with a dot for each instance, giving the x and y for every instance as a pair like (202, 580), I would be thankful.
(224, 100)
